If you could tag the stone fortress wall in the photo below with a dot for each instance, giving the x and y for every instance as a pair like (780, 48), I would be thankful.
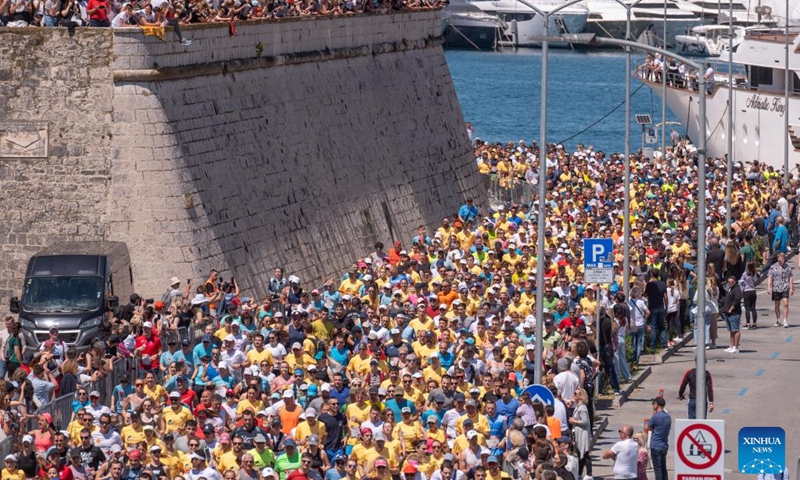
(295, 143)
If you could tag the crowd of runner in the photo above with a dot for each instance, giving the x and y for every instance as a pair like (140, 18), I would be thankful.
(414, 363)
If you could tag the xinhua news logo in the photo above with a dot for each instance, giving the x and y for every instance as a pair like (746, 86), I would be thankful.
(762, 450)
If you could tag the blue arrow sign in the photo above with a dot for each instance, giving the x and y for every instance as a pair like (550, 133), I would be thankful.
(540, 393)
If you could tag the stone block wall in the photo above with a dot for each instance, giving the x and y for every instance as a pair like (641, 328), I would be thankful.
(294, 163)
(65, 82)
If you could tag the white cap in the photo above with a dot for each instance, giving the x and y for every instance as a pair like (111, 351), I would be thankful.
(27, 438)
(395, 331)
(268, 472)
(288, 394)
(147, 325)
(471, 434)
(311, 412)
(230, 338)
(11, 457)
(325, 387)
(294, 279)
(155, 447)
(222, 365)
(297, 345)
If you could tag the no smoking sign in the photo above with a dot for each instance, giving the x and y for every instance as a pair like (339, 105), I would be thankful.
(699, 448)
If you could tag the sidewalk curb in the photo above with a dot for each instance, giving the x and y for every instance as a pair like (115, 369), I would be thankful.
(658, 359)
(635, 382)
(599, 429)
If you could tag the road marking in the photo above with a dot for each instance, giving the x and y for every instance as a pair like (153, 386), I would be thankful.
(774, 355)
(789, 339)
(742, 392)
(759, 373)
(726, 411)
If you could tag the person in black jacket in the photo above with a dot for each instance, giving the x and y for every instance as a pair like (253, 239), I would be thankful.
(732, 308)
(690, 380)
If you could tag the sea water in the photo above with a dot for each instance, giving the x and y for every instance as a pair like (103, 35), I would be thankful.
(500, 94)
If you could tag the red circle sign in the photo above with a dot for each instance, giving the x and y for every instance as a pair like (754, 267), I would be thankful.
(712, 458)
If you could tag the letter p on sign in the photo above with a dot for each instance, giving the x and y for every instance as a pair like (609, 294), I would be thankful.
(597, 251)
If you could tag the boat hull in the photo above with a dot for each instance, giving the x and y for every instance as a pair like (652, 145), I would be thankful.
(469, 36)
(758, 121)
(615, 28)
(654, 36)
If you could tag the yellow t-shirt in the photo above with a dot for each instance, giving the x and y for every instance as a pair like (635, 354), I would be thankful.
(156, 393)
(15, 475)
(411, 433)
(350, 288)
(132, 436)
(245, 404)
(227, 461)
(363, 455)
(174, 420)
(304, 430)
(255, 357)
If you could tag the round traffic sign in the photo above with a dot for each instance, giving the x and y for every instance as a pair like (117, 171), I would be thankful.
(701, 449)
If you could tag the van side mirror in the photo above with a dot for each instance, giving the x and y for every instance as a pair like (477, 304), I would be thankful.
(14, 305)
(113, 303)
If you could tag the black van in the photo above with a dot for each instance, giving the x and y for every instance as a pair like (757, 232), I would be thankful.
(71, 286)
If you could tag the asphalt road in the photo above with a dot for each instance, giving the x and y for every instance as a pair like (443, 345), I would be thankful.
(760, 386)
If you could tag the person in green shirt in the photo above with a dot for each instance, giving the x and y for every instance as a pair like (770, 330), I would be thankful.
(13, 351)
(747, 252)
(262, 456)
(289, 460)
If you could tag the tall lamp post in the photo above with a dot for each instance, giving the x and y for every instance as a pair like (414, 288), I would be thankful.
(664, 88)
(786, 100)
(542, 185)
(701, 197)
(626, 249)
(729, 179)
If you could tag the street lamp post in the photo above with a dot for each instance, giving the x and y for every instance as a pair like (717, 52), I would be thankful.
(540, 247)
(786, 100)
(664, 89)
(729, 179)
(626, 250)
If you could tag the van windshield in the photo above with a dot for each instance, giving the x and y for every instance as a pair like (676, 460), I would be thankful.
(62, 294)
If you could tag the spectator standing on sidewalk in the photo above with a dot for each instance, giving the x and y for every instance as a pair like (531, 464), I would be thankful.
(656, 293)
(732, 307)
(660, 424)
(690, 380)
(748, 286)
(780, 287)
(625, 454)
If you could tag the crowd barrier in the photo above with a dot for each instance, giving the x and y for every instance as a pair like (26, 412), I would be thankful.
(510, 190)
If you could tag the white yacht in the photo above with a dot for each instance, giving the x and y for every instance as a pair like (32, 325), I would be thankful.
(466, 26)
(708, 40)
(607, 19)
(523, 23)
(758, 101)
(679, 20)
(744, 13)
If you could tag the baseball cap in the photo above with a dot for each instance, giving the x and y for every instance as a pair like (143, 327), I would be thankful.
(471, 434)
(288, 394)
(289, 442)
(268, 472)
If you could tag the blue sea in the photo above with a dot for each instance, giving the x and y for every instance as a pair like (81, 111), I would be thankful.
(499, 93)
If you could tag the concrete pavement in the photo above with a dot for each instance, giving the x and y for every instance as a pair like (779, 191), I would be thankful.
(760, 386)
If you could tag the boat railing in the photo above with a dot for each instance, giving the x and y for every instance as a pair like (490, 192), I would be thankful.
(687, 78)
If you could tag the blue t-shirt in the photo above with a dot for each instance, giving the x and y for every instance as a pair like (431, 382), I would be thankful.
(660, 424)
(119, 394)
(167, 358)
(507, 409)
(342, 396)
(187, 360)
(333, 474)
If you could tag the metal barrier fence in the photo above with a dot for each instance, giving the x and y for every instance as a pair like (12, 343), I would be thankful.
(510, 190)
